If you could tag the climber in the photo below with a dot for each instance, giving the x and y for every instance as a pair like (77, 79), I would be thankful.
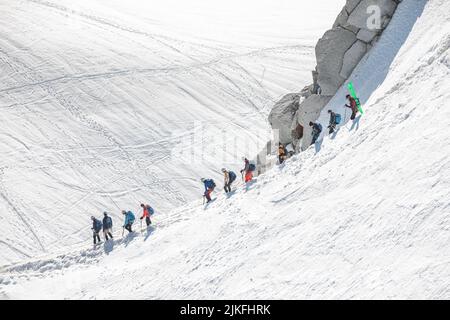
(229, 178)
(282, 153)
(351, 103)
(316, 130)
(96, 228)
(248, 170)
(335, 119)
(318, 89)
(129, 220)
(209, 188)
(147, 211)
(107, 226)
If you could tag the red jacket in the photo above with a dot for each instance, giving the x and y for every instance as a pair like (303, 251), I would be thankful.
(145, 214)
(353, 104)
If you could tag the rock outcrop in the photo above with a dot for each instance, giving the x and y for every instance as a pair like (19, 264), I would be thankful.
(282, 115)
(355, 31)
(309, 111)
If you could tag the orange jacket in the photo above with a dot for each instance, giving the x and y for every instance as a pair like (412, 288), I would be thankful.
(145, 214)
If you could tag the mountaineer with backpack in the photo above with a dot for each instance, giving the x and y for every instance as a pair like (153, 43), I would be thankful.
(351, 103)
(147, 212)
(335, 119)
(209, 188)
(282, 153)
(129, 220)
(107, 226)
(96, 228)
(229, 178)
(248, 170)
(316, 130)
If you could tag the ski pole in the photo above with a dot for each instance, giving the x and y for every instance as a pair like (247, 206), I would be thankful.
(123, 230)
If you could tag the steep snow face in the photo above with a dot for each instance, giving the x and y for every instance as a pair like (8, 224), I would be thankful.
(96, 96)
(365, 214)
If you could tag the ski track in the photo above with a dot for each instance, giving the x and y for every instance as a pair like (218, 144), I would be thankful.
(59, 102)
(155, 72)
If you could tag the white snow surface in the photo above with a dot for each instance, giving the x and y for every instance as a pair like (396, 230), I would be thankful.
(363, 214)
(97, 96)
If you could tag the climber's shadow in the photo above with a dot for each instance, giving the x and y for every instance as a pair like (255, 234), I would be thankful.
(150, 230)
(250, 185)
(355, 124)
(108, 246)
(318, 145)
(334, 134)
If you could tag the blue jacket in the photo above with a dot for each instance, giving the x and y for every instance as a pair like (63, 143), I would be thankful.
(129, 218)
(96, 225)
(107, 223)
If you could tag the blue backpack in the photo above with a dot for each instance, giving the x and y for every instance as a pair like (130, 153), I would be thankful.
(97, 225)
(107, 223)
(338, 118)
(131, 217)
(232, 175)
(252, 167)
(210, 184)
(150, 210)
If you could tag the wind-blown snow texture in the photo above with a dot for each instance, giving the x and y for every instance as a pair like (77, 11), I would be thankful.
(95, 96)
(364, 214)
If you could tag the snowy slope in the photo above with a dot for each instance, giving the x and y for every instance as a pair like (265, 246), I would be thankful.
(364, 215)
(97, 96)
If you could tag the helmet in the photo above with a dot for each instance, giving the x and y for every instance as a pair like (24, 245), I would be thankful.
(124, 212)
(92, 218)
(347, 96)
(329, 111)
(224, 170)
(311, 123)
(105, 213)
(142, 205)
(202, 179)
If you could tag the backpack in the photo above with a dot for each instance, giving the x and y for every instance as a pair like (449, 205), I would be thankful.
(97, 225)
(132, 217)
(338, 118)
(210, 184)
(319, 128)
(107, 223)
(150, 210)
(232, 175)
(252, 167)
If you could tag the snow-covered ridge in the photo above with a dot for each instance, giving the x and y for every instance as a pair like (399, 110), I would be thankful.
(365, 214)
(96, 94)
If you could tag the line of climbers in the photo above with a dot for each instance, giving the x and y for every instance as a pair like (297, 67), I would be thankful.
(335, 119)
(229, 178)
(283, 154)
(316, 127)
(106, 224)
